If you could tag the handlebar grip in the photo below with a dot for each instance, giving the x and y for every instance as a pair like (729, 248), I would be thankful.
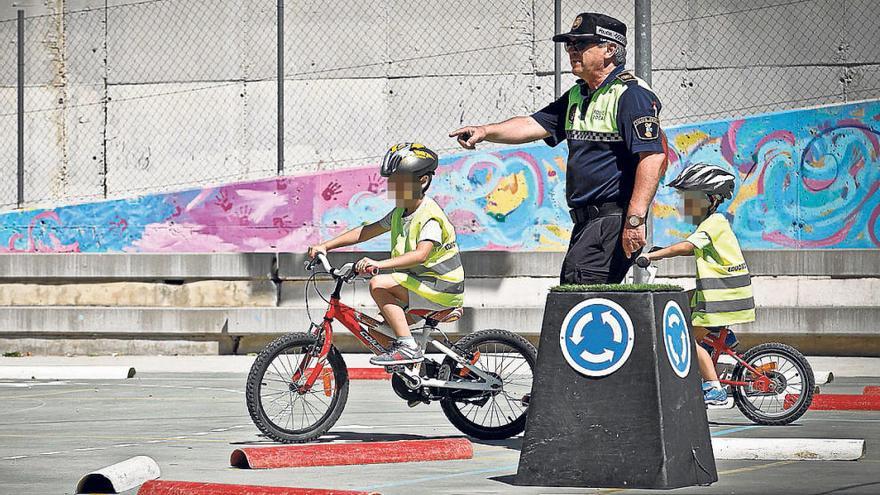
(323, 259)
(373, 271)
(643, 262)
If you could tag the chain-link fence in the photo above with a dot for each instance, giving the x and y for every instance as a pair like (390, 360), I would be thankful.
(714, 59)
(130, 97)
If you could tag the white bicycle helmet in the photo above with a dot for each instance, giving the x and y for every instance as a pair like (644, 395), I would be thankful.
(703, 177)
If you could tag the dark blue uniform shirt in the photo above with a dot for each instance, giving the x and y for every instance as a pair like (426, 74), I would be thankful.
(603, 172)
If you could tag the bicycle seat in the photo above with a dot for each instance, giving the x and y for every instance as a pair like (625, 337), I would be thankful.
(442, 316)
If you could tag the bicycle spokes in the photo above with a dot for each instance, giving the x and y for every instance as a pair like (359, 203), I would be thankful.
(287, 399)
(493, 409)
(771, 390)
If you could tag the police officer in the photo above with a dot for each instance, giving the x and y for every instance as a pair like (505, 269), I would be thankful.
(610, 119)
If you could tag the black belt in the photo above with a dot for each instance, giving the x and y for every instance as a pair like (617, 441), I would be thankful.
(592, 212)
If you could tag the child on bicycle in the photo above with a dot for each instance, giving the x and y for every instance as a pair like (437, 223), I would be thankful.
(723, 295)
(424, 255)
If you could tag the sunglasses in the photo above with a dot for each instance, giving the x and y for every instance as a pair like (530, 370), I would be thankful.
(580, 45)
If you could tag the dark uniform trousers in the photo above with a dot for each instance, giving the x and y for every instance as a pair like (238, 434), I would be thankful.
(595, 255)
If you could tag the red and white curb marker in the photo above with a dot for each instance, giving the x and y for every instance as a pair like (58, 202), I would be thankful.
(342, 454)
(840, 402)
(196, 488)
(119, 477)
(788, 449)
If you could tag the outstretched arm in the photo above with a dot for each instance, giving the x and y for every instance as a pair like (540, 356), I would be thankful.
(683, 248)
(518, 130)
(353, 236)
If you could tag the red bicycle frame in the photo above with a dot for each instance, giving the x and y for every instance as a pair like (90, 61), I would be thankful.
(761, 383)
(360, 325)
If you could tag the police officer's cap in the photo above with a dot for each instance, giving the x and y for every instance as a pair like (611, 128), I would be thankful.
(593, 26)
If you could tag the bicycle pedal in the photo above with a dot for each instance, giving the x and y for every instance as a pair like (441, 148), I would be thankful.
(728, 404)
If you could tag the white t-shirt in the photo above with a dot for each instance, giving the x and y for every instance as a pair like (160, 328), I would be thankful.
(431, 230)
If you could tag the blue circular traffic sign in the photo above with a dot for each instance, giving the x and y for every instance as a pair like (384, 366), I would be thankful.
(676, 339)
(596, 337)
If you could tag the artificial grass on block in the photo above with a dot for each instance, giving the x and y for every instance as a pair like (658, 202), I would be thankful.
(617, 288)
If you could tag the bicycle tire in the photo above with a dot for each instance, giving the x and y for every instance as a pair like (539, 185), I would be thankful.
(450, 407)
(804, 399)
(256, 379)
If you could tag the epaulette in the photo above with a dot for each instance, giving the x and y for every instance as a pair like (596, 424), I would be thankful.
(627, 77)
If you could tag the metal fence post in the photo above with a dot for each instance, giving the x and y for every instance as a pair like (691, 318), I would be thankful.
(20, 105)
(280, 77)
(643, 70)
(557, 50)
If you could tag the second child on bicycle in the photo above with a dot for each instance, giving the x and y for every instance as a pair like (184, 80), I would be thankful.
(424, 255)
(723, 295)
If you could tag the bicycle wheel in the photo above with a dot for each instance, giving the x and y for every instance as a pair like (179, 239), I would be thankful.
(791, 385)
(279, 407)
(492, 415)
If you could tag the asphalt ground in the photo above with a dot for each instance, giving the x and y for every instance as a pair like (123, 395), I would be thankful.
(54, 432)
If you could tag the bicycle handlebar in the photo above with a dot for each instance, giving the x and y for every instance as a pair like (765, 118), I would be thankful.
(346, 271)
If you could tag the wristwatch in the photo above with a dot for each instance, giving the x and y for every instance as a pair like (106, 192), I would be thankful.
(634, 220)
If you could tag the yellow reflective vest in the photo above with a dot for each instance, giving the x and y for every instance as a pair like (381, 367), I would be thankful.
(724, 287)
(440, 279)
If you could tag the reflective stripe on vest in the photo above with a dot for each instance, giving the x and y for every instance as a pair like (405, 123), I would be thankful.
(440, 279)
(734, 282)
(725, 306)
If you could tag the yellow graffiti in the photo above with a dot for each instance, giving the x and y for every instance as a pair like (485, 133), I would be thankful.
(677, 233)
(560, 161)
(510, 192)
(746, 192)
(820, 163)
(664, 211)
(685, 141)
(557, 243)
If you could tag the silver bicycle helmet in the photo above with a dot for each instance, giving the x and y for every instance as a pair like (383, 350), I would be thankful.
(710, 179)
(409, 158)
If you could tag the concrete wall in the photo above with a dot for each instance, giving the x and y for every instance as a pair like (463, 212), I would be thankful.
(169, 95)
(235, 303)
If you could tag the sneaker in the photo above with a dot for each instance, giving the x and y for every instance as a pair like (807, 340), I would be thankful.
(399, 354)
(714, 396)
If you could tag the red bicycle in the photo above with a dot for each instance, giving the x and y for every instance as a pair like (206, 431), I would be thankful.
(771, 383)
(298, 384)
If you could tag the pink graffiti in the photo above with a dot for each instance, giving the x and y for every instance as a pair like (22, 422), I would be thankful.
(872, 225)
(37, 246)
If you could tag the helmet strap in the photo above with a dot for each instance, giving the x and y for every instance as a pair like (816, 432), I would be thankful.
(426, 186)
(714, 202)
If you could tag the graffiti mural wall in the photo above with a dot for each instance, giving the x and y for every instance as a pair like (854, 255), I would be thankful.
(808, 179)
(513, 200)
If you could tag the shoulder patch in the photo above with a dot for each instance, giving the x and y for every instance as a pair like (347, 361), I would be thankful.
(626, 76)
(647, 127)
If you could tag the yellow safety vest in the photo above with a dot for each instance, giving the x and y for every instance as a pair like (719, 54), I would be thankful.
(724, 287)
(440, 279)
(598, 121)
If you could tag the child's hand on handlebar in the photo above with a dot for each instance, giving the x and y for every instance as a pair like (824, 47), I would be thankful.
(314, 250)
(367, 265)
